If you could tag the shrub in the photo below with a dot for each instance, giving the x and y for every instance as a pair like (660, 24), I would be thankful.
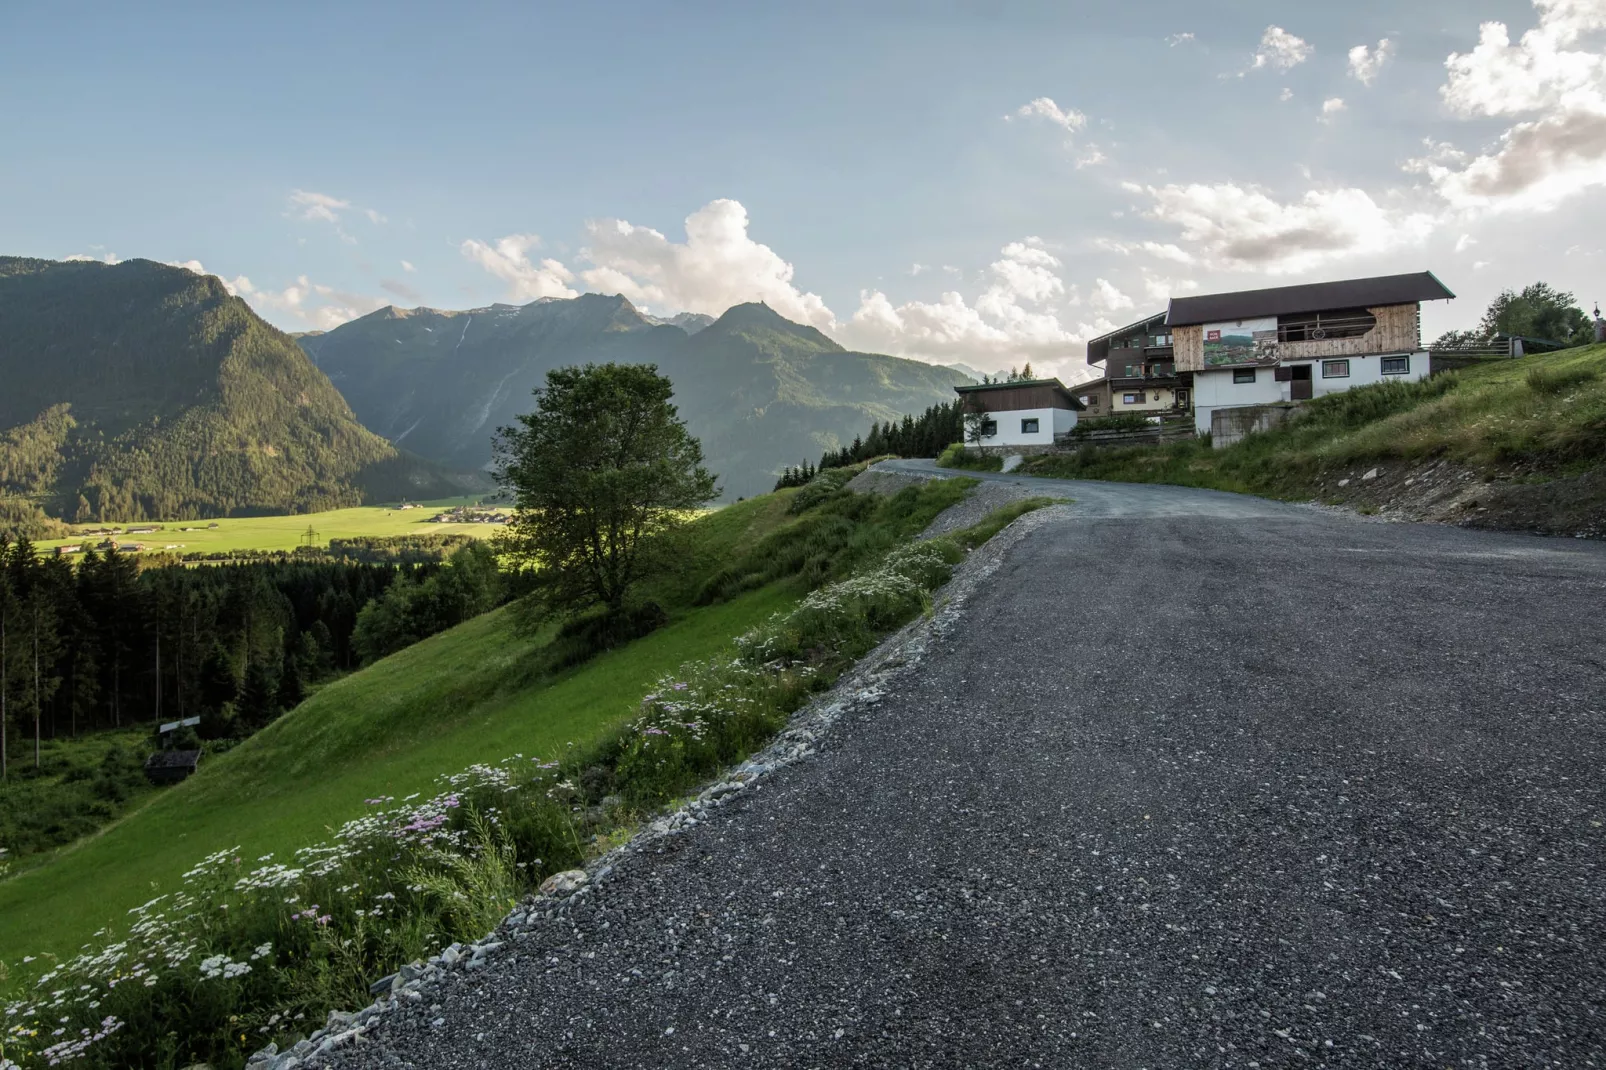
(957, 456)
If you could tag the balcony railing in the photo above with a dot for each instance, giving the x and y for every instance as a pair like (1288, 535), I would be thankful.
(1317, 327)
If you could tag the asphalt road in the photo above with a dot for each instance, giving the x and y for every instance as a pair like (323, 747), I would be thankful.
(1199, 781)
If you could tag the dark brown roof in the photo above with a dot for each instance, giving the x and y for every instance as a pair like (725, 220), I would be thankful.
(1099, 348)
(1306, 297)
(173, 759)
(1054, 386)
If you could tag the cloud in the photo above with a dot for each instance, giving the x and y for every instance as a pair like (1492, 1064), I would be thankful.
(1107, 298)
(1364, 63)
(407, 266)
(1159, 289)
(1178, 38)
(1045, 108)
(1092, 156)
(509, 260)
(1227, 226)
(402, 290)
(1331, 107)
(1465, 242)
(305, 204)
(311, 303)
(99, 258)
(373, 216)
(1551, 79)
(717, 266)
(1286, 95)
(1017, 316)
(1280, 50)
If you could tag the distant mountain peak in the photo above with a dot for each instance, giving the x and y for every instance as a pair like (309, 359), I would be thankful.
(756, 318)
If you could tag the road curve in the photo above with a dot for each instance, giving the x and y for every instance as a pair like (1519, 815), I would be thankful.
(1197, 781)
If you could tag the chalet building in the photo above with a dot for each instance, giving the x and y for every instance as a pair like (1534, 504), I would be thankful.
(1293, 343)
(1094, 396)
(1141, 370)
(1028, 412)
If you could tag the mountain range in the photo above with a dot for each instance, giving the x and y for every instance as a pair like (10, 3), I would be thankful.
(759, 390)
(141, 391)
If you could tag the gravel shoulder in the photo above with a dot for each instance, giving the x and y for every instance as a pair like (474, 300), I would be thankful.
(1168, 780)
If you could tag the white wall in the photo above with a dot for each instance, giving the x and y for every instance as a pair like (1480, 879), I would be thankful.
(1049, 421)
(1214, 388)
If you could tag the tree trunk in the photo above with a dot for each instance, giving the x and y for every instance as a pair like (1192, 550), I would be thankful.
(4, 687)
(36, 709)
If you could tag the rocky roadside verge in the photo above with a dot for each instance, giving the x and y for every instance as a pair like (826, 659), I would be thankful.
(411, 999)
(1445, 493)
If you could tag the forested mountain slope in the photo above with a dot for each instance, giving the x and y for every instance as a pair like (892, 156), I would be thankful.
(141, 391)
(760, 391)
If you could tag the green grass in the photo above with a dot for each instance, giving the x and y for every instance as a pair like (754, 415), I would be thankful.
(79, 784)
(1541, 416)
(477, 693)
(452, 700)
(285, 532)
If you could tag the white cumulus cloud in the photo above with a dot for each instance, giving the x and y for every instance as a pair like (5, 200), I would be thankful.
(1045, 108)
(1331, 107)
(1364, 62)
(1227, 226)
(717, 266)
(509, 260)
(1553, 80)
(1280, 50)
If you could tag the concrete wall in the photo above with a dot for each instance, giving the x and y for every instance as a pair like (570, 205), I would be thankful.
(1230, 425)
(1049, 423)
(1214, 389)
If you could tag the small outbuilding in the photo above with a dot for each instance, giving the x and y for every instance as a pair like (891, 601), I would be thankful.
(1026, 412)
(171, 766)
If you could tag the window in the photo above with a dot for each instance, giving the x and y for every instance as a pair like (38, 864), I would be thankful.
(989, 428)
(1335, 369)
(1028, 427)
(1243, 375)
(1131, 399)
(1396, 365)
(1134, 371)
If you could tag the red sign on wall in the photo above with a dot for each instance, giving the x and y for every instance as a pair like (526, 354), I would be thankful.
(1212, 336)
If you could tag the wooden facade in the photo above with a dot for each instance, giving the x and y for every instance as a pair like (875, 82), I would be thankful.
(1397, 330)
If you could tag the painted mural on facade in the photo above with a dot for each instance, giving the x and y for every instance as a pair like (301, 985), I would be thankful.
(1240, 342)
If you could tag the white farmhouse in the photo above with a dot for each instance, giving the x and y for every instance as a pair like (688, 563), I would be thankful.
(1021, 414)
(1262, 348)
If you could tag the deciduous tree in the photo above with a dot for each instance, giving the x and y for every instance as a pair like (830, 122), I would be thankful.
(602, 472)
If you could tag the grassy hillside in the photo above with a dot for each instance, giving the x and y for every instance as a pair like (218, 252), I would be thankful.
(1518, 443)
(141, 391)
(478, 693)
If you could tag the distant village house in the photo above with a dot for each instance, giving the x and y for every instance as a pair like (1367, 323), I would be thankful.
(1025, 413)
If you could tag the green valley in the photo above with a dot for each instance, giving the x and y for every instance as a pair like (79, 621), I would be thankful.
(141, 391)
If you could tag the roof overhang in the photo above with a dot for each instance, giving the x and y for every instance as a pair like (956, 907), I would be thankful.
(1099, 348)
(1376, 292)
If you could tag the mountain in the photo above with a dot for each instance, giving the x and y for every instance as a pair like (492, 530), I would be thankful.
(760, 391)
(140, 391)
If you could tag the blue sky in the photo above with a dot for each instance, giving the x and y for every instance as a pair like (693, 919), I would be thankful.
(954, 181)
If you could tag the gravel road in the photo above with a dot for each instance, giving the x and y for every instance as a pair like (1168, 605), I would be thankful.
(1194, 780)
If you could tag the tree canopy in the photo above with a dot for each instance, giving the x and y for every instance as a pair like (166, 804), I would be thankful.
(1538, 311)
(602, 472)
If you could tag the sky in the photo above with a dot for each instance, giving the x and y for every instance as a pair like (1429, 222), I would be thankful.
(977, 182)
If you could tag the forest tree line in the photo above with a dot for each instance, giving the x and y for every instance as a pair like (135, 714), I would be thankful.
(925, 435)
(100, 643)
